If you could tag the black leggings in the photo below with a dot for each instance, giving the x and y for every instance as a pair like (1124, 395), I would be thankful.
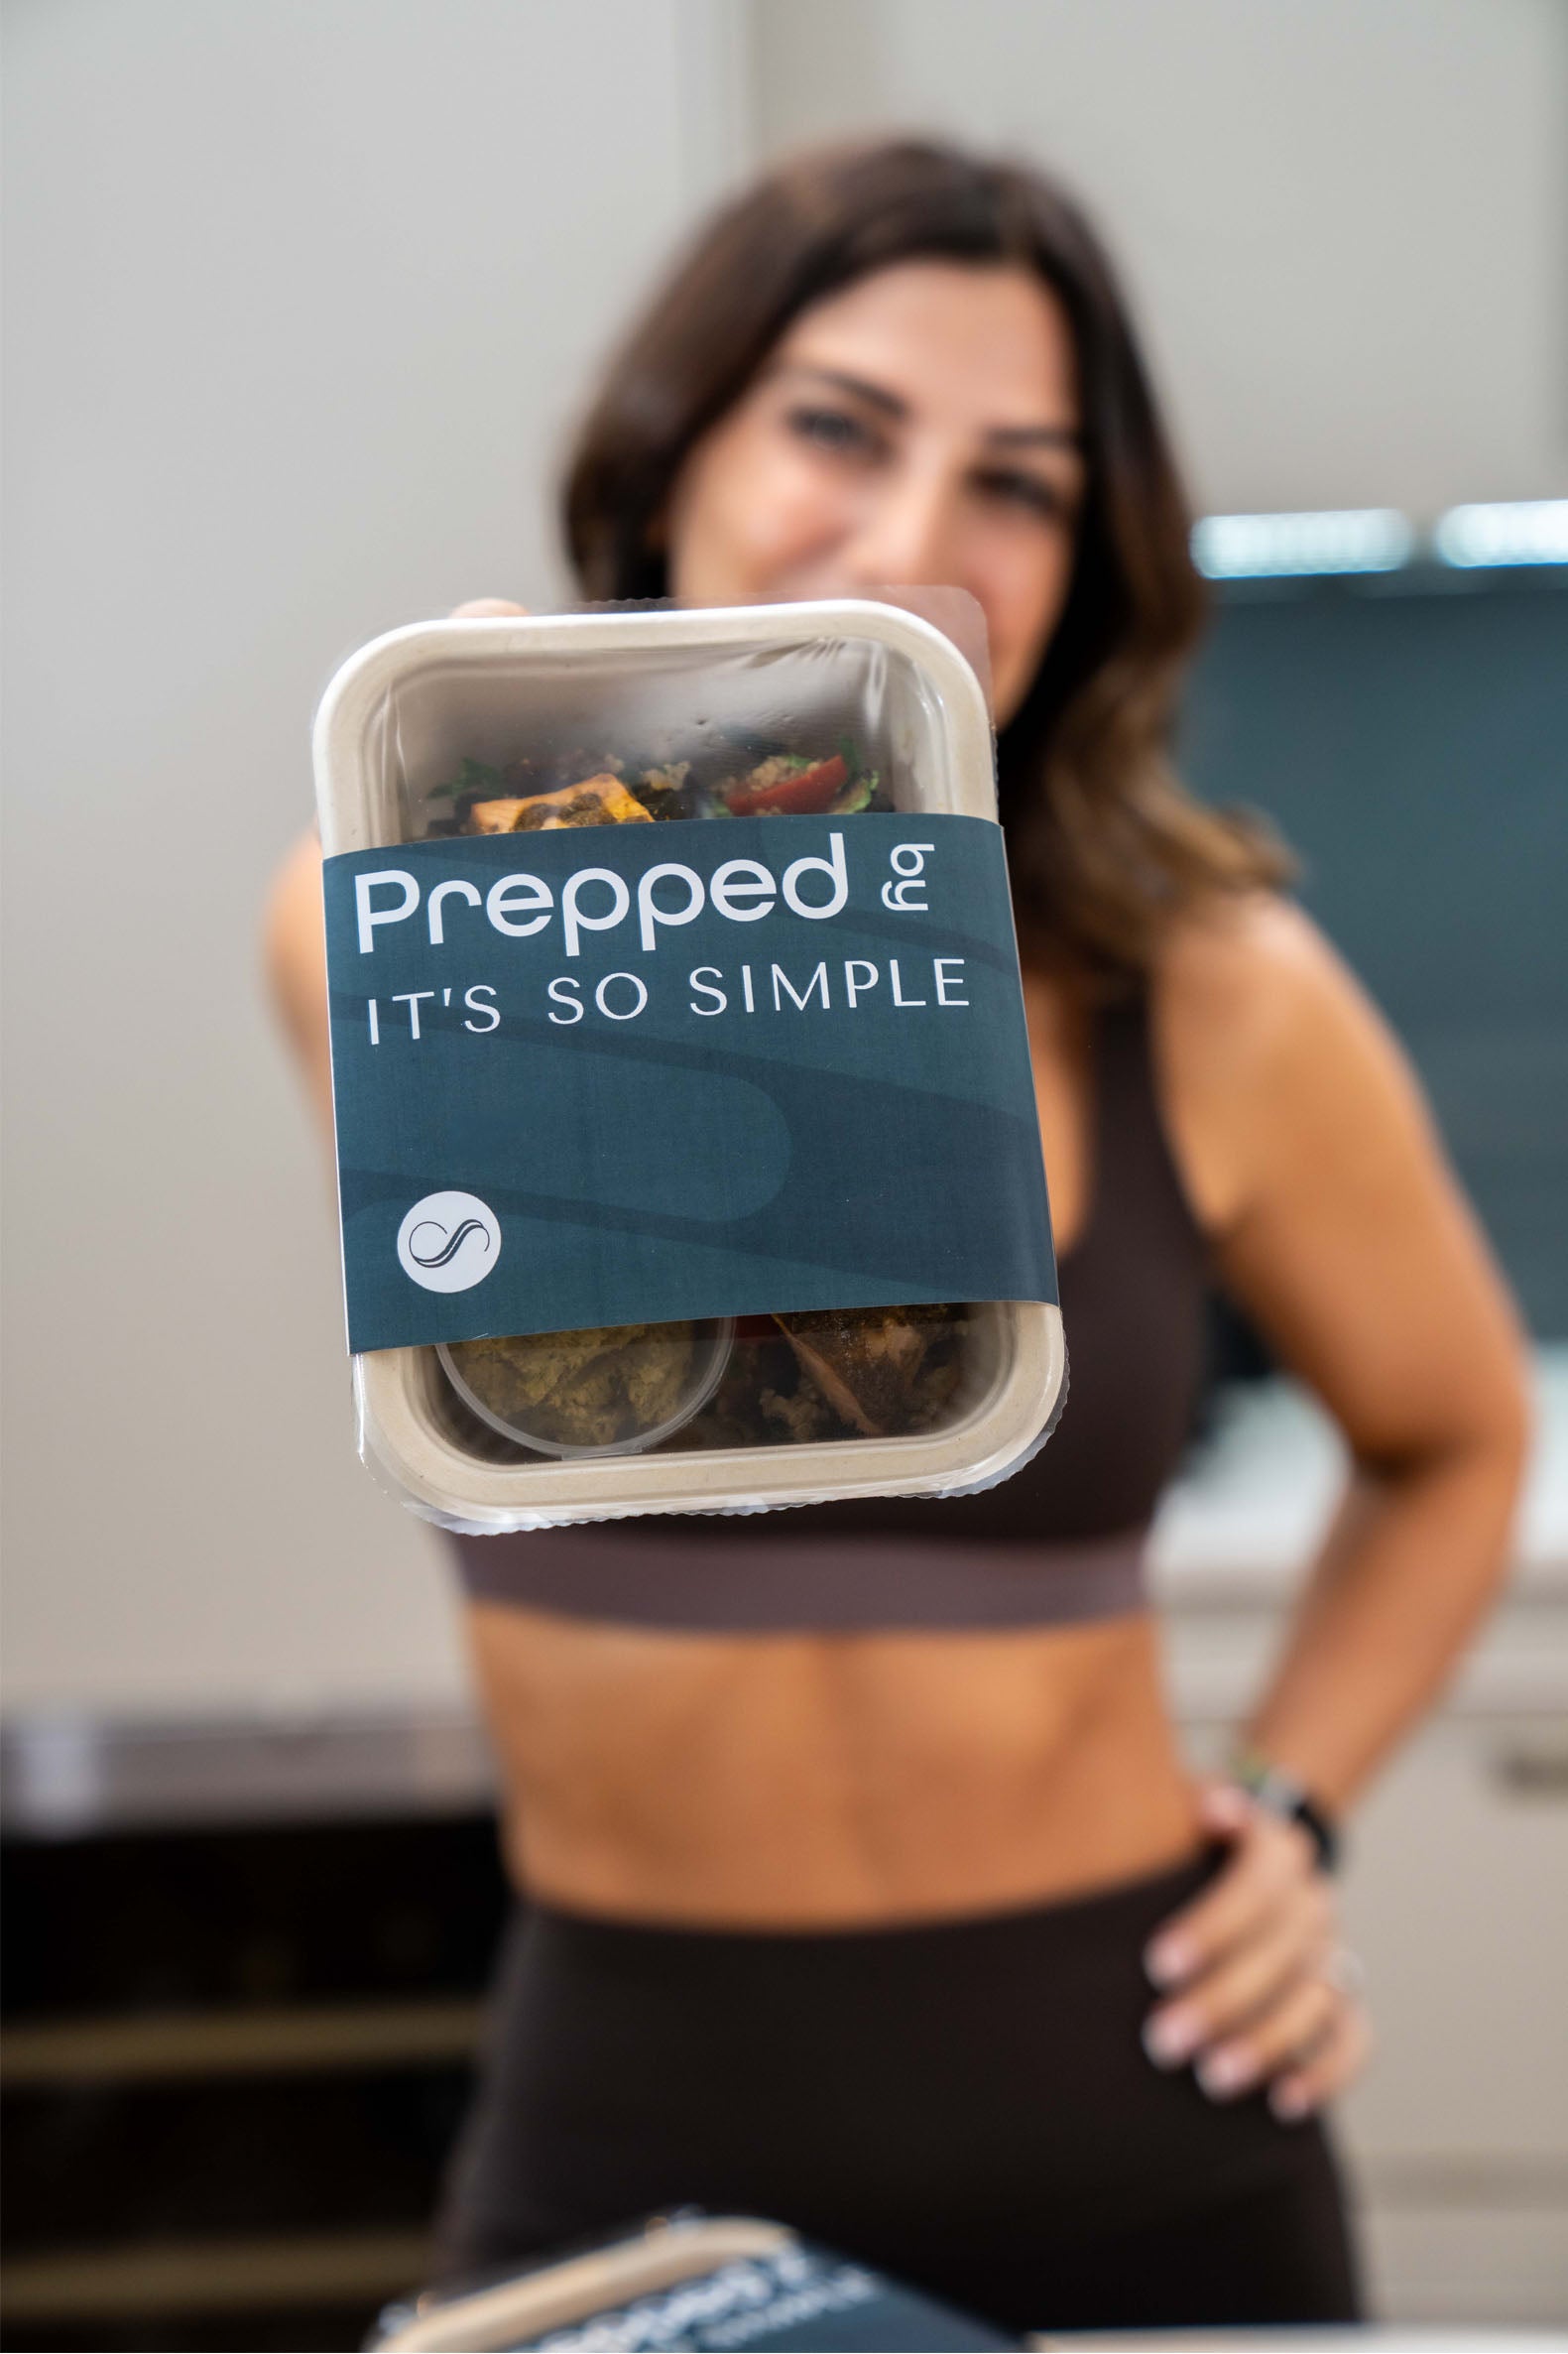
(966, 2105)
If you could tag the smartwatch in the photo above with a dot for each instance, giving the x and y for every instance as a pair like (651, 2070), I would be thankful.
(1281, 1794)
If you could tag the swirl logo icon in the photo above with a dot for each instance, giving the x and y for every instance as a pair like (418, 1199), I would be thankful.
(448, 1242)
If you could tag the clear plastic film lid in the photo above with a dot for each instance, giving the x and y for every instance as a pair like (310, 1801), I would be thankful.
(458, 714)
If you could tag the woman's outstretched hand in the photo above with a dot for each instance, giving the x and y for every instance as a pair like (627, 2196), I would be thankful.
(1257, 1989)
(295, 951)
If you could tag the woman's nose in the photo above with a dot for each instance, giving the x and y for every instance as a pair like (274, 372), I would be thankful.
(908, 532)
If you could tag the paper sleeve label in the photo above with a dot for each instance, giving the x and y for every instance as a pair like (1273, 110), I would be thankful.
(626, 1074)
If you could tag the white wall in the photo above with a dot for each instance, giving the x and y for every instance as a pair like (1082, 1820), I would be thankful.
(299, 293)
(1346, 220)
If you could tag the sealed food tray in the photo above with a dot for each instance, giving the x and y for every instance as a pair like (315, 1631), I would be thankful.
(686, 2281)
(628, 717)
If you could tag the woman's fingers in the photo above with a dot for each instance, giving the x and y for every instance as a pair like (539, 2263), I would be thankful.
(1324, 2073)
(1251, 1998)
(1268, 1858)
(486, 608)
(1280, 1945)
(1285, 2031)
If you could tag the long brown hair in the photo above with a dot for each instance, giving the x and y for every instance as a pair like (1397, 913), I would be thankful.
(1103, 843)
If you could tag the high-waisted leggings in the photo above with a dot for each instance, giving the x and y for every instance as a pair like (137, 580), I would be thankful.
(966, 2105)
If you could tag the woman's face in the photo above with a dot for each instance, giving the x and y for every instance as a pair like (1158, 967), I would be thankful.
(919, 429)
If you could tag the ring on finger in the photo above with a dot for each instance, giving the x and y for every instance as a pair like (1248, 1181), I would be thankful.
(1345, 1971)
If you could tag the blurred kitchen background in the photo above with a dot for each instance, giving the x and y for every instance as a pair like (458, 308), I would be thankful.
(302, 295)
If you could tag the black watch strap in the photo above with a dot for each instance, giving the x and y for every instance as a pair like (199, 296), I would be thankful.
(1284, 1795)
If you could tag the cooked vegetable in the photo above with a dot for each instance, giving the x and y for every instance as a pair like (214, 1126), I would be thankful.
(786, 789)
(597, 801)
(594, 789)
(857, 794)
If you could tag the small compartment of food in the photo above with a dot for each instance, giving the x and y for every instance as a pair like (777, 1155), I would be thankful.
(680, 717)
(614, 1391)
(833, 1376)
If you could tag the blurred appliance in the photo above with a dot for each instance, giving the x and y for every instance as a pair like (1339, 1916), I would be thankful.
(243, 1971)
(1407, 730)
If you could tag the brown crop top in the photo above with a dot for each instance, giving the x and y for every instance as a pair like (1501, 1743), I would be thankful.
(1062, 1540)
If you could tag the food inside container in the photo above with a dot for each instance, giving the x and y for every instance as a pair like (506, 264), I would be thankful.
(823, 1376)
(592, 1393)
(867, 1373)
(485, 799)
(829, 1376)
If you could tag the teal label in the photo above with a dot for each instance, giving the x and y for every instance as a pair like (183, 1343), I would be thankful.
(635, 1073)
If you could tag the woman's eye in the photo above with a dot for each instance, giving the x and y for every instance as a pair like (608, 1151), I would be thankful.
(1026, 490)
(831, 428)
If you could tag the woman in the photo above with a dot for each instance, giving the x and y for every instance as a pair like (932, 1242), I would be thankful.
(867, 1887)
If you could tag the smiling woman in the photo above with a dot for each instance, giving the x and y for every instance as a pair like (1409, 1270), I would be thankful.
(869, 1888)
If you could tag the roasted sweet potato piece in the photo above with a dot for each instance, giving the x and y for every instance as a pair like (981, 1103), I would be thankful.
(597, 801)
(494, 816)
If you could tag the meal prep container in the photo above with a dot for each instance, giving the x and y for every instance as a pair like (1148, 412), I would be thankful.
(577, 2290)
(531, 701)
(686, 2280)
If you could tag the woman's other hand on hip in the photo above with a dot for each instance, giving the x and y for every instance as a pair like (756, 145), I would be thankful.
(1258, 1991)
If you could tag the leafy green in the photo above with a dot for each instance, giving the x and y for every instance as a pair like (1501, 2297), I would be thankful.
(476, 776)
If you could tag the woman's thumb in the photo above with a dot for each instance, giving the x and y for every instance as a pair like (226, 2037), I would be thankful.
(1222, 1807)
(486, 608)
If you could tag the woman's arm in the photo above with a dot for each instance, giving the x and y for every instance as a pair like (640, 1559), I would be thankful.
(294, 937)
(1355, 1252)
(1357, 1256)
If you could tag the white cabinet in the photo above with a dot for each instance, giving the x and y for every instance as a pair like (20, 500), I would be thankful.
(1456, 1884)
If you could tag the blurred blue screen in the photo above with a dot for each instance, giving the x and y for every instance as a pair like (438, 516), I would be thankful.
(1408, 734)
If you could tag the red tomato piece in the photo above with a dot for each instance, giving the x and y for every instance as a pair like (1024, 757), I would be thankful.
(801, 795)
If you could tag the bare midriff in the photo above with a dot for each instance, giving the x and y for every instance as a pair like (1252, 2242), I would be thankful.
(835, 1780)
(783, 1780)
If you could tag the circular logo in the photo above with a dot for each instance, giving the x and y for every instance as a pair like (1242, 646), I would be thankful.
(448, 1242)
